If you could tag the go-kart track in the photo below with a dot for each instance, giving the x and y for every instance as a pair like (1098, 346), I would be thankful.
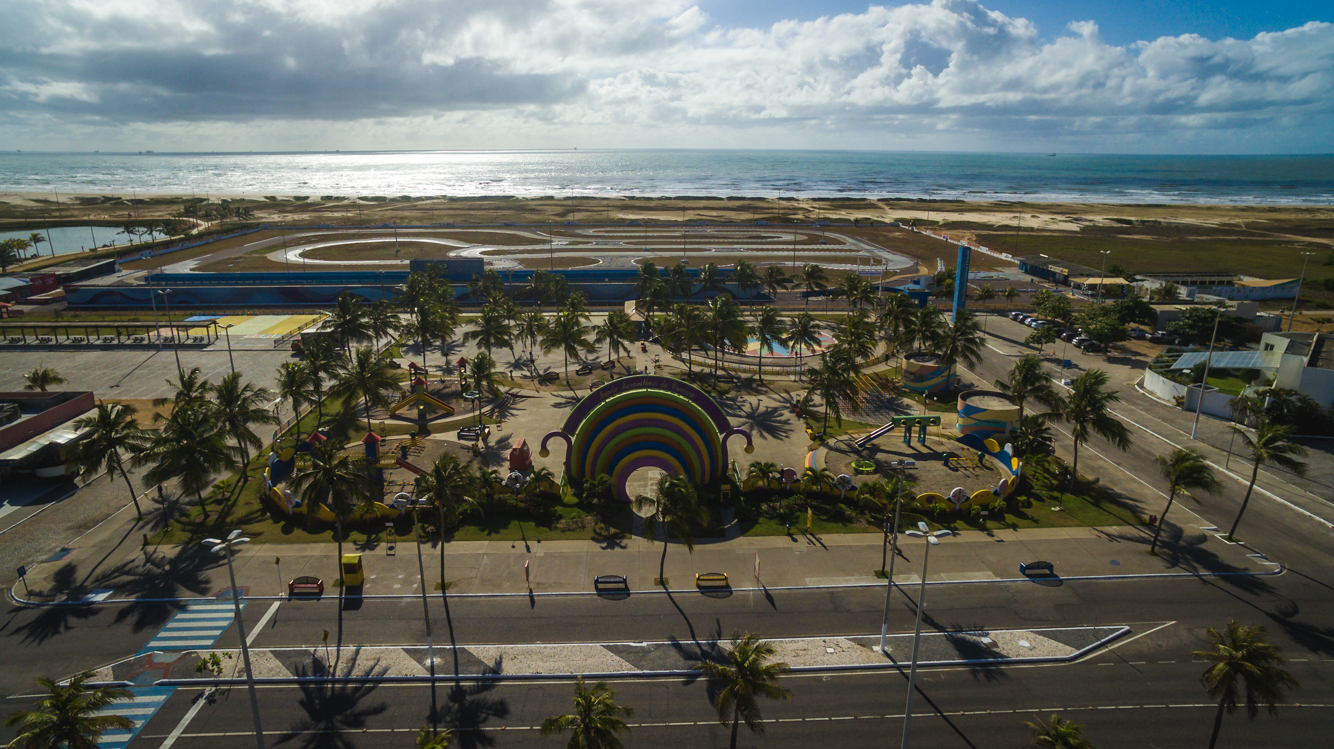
(608, 248)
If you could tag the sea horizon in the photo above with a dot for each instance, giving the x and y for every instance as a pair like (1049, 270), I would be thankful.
(1037, 177)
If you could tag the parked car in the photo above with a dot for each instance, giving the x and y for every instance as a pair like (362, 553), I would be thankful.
(1081, 340)
(1016, 315)
(1139, 334)
(1069, 336)
(1036, 324)
(1091, 347)
(1162, 336)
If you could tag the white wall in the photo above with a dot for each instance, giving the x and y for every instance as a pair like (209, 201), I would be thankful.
(1163, 387)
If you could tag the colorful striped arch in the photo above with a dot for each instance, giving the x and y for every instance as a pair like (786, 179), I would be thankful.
(646, 421)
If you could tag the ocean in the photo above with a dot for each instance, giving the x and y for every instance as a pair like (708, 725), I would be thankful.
(1249, 180)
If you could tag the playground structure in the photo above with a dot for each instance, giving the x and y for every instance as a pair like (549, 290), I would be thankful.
(428, 407)
(281, 467)
(961, 499)
(907, 422)
(923, 373)
(644, 421)
(986, 413)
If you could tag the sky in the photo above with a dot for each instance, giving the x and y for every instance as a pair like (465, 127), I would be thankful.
(1131, 76)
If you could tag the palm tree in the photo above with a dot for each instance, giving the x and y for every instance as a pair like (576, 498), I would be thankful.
(381, 320)
(769, 330)
(484, 375)
(680, 283)
(814, 279)
(1029, 380)
(710, 278)
(676, 508)
(858, 291)
(747, 675)
(985, 294)
(240, 405)
(296, 384)
(880, 497)
(923, 328)
(41, 378)
(682, 331)
(815, 481)
(323, 362)
(597, 721)
(69, 715)
(191, 448)
(775, 279)
(1033, 443)
(1242, 660)
(834, 380)
(1058, 733)
(427, 738)
(857, 334)
(36, 239)
(367, 376)
(1186, 471)
(803, 333)
(1168, 292)
(491, 329)
(727, 326)
(532, 326)
(1269, 445)
(763, 472)
(449, 484)
(1010, 294)
(112, 437)
(189, 389)
(961, 342)
(569, 333)
(747, 279)
(1088, 410)
(341, 482)
(616, 331)
(899, 310)
(349, 322)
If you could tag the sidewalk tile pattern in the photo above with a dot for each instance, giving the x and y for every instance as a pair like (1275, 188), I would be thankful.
(139, 709)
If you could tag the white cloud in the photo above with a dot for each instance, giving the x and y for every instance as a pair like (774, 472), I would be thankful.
(653, 72)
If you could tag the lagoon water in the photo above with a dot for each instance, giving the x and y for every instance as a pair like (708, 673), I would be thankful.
(1261, 180)
(67, 240)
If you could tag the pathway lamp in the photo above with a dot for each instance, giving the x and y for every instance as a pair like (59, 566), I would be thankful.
(932, 540)
(902, 465)
(227, 331)
(235, 540)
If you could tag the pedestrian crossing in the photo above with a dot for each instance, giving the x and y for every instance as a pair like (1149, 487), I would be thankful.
(194, 627)
(139, 709)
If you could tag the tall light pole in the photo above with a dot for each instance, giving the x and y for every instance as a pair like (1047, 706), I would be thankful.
(1102, 279)
(152, 299)
(932, 540)
(426, 609)
(175, 334)
(234, 540)
(1209, 357)
(1297, 298)
(227, 330)
(893, 555)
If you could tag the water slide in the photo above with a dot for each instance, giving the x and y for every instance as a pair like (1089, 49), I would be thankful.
(425, 397)
(877, 434)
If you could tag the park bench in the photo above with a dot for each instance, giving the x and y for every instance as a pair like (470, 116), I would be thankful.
(470, 434)
(606, 365)
(77, 339)
(139, 339)
(1025, 568)
(548, 377)
(108, 339)
(712, 580)
(305, 585)
(724, 377)
(15, 339)
(611, 581)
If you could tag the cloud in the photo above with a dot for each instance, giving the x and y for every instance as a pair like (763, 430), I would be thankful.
(654, 72)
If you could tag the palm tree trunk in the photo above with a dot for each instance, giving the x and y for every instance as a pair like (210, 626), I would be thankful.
(1159, 529)
(662, 562)
(1218, 723)
(366, 403)
(1074, 470)
(441, 508)
(202, 505)
(736, 722)
(1245, 500)
(138, 512)
(296, 419)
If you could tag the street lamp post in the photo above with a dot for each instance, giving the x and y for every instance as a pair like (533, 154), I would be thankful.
(157, 327)
(234, 539)
(1102, 279)
(1199, 403)
(932, 540)
(227, 330)
(893, 555)
(1298, 297)
(175, 334)
(421, 571)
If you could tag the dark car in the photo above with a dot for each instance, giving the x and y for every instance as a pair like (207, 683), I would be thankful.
(1069, 336)
(1091, 347)
(1016, 315)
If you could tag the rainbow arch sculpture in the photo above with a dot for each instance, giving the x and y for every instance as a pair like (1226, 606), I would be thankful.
(646, 421)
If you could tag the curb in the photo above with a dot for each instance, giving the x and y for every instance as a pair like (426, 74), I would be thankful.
(674, 673)
(26, 603)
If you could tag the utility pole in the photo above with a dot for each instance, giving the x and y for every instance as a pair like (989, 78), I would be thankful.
(1199, 403)
(1298, 297)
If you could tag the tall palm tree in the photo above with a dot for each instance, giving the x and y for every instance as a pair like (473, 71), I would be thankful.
(381, 320)
(728, 329)
(710, 278)
(857, 334)
(491, 330)
(1269, 445)
(240, 406)
(762, 472)
(775, 279)
(814, 279)
(113, 437)
(747, 675)
(1088, 411)
(899, 310)
(367, 377)
(189, 389)
(1058, 733)
(597, 721)
(342, 483)
(1029, 380)
(349, 322)
(858, 291)
(41, 378)
(880, 497)
(803, 333)
(682, 331)
(569, 333)
(1033, 443)
(679, 281)
(985, 294)
(961, 342)
(1245, 667)
(769, 330)
(69, 715)
(1010, 294)
(676, 508)
(531, 328)
(324, 365)
(191, 448)
(448, 486)
(923, 328)
(1187, 472)
(296, 385)
(747, 279)
(484, 376)
(616, 331)
(835, 380)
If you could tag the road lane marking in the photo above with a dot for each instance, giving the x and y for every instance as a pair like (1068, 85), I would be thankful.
(259, 627)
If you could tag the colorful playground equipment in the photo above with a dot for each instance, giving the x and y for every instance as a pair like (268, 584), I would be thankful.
(281, 467)
(424, 401)
(646, 421)
(907, 422)
(960, 499)
(923, 373)
(987, 413)
(521, 457)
